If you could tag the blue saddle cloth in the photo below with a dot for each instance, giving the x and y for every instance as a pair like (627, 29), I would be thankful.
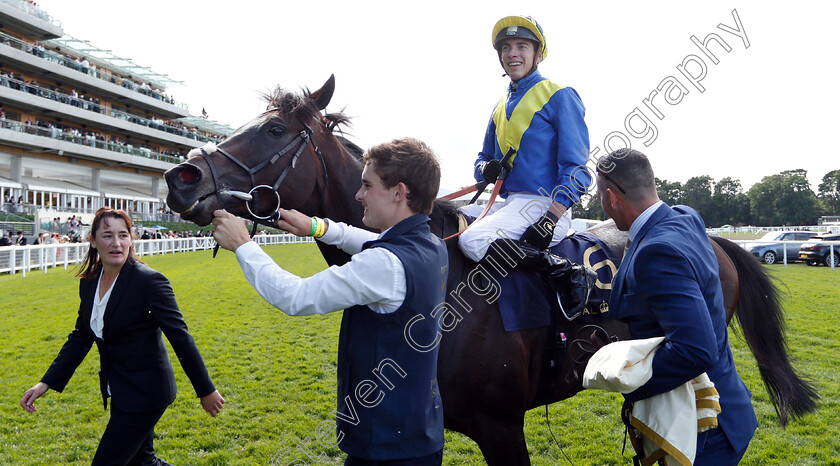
(526, 301)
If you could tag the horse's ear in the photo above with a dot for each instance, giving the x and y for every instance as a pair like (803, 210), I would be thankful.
(323, 95)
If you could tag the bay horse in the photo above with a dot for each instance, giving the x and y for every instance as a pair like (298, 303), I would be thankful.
(488, 377)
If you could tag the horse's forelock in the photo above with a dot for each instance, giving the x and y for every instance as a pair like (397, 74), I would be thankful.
(302, 105)
(291, 103)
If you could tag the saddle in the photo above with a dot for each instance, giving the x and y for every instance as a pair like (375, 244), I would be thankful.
(527, 301)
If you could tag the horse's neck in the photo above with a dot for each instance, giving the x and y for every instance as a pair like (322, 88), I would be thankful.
(339, 202)
(344, 177)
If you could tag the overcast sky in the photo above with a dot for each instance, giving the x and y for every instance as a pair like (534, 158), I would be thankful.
(427, 69)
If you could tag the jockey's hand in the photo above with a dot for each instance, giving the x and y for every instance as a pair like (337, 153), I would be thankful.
(491, 170)
(539, 234)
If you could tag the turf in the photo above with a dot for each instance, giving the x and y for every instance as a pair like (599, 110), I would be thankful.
(277, 374)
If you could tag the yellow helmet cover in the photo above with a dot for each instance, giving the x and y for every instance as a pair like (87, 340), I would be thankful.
(509, 27)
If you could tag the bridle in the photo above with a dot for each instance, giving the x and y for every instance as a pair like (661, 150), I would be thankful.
(300, 142)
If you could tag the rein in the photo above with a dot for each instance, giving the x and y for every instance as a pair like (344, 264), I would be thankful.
(497, 186)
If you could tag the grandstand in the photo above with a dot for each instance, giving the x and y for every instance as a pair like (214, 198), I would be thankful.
(81, 128)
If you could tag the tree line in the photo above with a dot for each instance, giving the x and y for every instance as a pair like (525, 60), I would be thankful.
(785, 198)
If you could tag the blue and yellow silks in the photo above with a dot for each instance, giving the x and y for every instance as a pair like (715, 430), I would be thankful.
(544, 122)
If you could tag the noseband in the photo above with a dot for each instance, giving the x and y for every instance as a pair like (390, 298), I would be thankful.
(303, 139)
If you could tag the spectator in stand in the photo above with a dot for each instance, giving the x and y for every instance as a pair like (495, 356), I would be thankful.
(6, 240)
(20, 240)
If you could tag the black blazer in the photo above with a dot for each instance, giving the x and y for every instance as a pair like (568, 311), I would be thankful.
(133, 358)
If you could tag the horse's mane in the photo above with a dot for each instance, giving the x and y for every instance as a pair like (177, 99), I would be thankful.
(445, 218)
(356, 151)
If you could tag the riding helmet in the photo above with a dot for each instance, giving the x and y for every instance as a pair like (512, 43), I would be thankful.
(519, 26)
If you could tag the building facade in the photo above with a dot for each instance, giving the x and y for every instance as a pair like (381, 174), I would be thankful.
(81, 128)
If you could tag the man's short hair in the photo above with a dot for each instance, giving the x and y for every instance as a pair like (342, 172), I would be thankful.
(628, 170)
(412, 162)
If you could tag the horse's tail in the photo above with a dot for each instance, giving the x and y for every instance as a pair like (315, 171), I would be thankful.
(762, 323)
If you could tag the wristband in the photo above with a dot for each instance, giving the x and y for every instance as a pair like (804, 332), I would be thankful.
(322, 228)
(314, 226)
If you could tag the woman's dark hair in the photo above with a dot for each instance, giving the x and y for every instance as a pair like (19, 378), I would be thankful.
(89, 268)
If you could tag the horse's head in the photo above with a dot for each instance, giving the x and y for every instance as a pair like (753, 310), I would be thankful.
(279, 148)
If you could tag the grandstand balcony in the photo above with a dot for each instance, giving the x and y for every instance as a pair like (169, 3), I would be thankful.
(48, 64)
(38, 139)
(29, 20)
(79, 110)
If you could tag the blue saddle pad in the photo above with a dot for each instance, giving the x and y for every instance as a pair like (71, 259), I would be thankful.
(526, 301)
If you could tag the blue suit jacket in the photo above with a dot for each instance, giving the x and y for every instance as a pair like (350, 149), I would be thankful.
(668, 285)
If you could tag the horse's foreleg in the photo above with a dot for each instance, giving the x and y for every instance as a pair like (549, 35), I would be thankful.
(502, 442)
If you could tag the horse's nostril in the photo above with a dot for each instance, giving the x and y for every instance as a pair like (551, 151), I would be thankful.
(188, 176)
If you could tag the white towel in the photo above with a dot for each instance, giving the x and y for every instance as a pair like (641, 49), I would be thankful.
(669, 421)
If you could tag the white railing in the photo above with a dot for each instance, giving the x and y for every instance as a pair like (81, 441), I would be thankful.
(23, 259)
(753, 230)
(833, 246)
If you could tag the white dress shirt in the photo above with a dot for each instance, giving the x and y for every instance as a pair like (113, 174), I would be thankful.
(373, 277)
(97, 314)
(641, 220)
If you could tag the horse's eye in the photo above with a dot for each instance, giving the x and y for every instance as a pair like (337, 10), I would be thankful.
(276, 130)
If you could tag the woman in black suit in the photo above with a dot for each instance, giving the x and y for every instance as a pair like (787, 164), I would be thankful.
(124, 307)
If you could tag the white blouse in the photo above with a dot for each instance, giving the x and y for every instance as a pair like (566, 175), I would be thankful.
(97, 314)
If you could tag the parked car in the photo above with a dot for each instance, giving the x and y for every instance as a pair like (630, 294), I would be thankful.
(769, 250)
(814, 251)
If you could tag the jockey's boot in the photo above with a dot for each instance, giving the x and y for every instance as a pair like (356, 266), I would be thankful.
(508, 254)
(573, 283)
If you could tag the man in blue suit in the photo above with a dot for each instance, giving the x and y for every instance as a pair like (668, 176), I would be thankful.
(668, 285)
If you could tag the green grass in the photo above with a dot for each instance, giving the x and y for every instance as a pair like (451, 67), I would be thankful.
(277, 374)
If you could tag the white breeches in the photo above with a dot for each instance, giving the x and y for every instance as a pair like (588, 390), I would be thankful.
(507, 220)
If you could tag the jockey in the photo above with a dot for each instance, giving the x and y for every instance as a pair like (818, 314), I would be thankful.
(541, 124)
